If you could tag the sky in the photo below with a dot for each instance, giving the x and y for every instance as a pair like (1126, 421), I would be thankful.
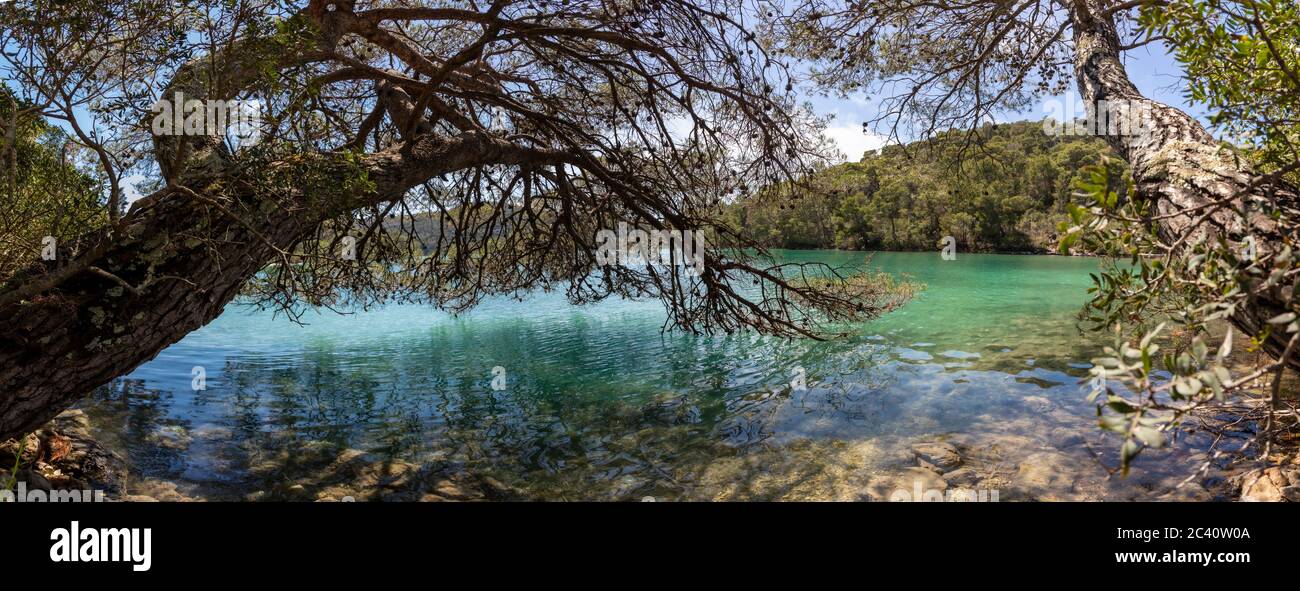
(1151, 68)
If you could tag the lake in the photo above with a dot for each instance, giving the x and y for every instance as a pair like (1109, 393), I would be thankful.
(983, 368)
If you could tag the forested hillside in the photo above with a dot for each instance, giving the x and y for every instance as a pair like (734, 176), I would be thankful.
(1004, 193)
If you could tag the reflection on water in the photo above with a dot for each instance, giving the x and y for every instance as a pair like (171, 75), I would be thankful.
(599, 404)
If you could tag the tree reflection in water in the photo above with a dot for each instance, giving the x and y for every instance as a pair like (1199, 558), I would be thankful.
(600, 405)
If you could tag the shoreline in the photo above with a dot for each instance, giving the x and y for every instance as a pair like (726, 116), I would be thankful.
(951, 466)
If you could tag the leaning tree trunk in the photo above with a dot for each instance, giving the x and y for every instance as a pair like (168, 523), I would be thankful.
(171, 269)
(177, 258)
(1180, 167)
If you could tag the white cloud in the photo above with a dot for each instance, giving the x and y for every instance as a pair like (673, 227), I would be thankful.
(853, 142)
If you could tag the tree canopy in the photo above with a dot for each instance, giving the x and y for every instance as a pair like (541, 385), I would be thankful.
(47, 195)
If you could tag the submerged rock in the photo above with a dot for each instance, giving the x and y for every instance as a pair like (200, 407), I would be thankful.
(1047, 476)
(942, 457)
(152, 490)
(356, 475)
(173, 437)
(1063, 437)
(1267, 485)
(1187, 492)
(62, 455)
(802, 470)
(1037, 404)
(963, 477)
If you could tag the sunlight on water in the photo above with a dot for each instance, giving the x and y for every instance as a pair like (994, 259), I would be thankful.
(599, 404)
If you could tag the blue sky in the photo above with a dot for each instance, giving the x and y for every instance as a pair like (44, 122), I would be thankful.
(1151, 68)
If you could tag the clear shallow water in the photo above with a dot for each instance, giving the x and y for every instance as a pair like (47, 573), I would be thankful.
(600, 404)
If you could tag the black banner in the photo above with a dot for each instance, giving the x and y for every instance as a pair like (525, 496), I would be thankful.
(318, 541)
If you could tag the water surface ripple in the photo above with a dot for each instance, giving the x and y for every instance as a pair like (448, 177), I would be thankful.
(599, 404)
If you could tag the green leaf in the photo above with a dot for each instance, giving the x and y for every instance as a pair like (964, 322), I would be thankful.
(1149, 436)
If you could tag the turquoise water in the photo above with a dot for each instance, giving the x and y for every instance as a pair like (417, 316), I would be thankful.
(600, 404)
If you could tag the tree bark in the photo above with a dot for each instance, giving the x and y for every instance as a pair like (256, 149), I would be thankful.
(60, 345)
(1180, 167)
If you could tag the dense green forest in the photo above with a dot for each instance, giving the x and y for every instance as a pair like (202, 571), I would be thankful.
(1004, 189)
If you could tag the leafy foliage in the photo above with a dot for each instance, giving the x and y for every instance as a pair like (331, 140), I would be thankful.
(44, 193)
(1241, 59)
(1243, 62)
